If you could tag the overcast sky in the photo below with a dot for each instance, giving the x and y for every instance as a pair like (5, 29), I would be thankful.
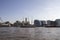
(12, 10)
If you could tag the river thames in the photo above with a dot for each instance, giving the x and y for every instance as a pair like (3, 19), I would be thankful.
(38, 33)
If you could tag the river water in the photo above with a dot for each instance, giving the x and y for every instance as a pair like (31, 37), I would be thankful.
(38, 33)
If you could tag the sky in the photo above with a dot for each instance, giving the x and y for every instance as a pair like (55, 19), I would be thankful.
(12, 10)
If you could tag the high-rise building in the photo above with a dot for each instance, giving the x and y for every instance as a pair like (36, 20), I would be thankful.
(26, 20)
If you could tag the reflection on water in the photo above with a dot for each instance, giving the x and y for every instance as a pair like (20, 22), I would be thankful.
(17, 33)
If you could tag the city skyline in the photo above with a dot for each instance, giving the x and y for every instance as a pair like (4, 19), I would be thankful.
(12, 10)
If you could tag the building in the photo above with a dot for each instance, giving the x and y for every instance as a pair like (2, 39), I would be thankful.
(37, 23)
(25, 23)
(50, 23)
(26, 20)
(57, 22)
(42, 23)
